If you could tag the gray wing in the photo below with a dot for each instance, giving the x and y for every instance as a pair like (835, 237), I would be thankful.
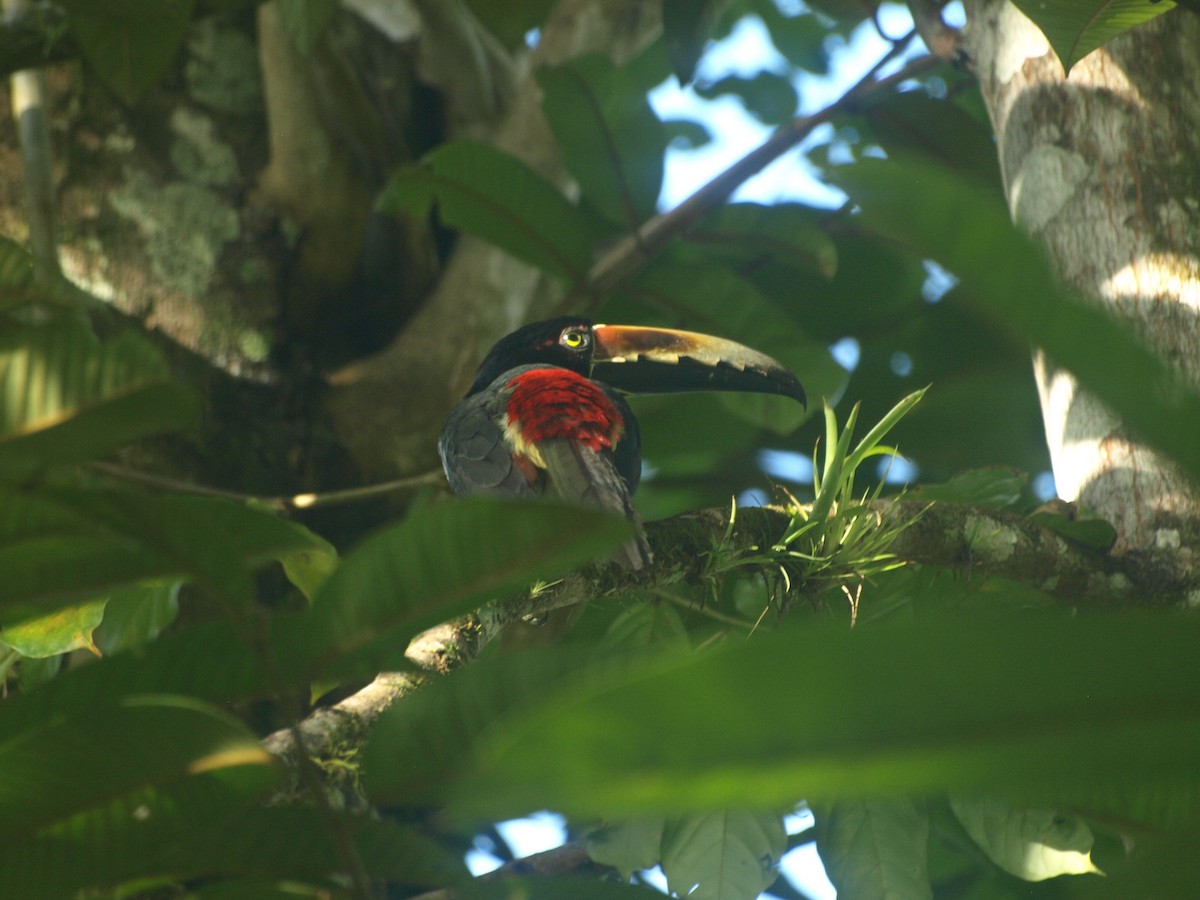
(475, 455)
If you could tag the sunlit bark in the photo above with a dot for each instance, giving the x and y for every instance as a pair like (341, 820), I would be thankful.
(1101, 167)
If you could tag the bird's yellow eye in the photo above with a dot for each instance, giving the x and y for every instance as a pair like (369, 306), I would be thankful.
(574, 338)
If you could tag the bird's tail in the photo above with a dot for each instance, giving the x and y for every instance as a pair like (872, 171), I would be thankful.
(578, 473)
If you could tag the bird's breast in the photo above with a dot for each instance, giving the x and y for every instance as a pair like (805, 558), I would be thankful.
(557, 403)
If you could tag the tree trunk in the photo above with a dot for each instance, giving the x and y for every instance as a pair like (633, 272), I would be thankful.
(387, 409)
(1101, 168)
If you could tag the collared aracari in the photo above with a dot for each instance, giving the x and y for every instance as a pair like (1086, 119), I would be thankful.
(545, 412)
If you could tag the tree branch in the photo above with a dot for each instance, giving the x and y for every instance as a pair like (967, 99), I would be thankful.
(966, 538)
(635, 251)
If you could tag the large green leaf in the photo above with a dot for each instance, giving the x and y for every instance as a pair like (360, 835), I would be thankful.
(211, 662)
(129, 44)
(687, 28)
(444, 561)
(875, 849)
(284, 842)
(419, 747)
(63, 544)
(799, 35)
(98, 428)
(941, 129)
(48, 371)
(208, 828)
(67, 778)
(1047, 708)
(359, 624)
(727, 854)
(58, 632)
(750, 233)
(610, 138)
(768, 96)
(1075, 28)
(136, 615)
(69, 397)
(1033, 844)
(553, 888)
(1005, 279)
(482, 191)
(628, 845)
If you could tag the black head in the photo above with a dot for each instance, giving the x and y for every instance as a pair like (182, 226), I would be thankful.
(565, 342)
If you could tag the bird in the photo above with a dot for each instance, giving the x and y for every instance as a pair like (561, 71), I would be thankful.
(546, 413)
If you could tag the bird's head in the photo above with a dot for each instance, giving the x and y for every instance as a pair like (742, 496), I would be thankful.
(566, 342)
(639, 360)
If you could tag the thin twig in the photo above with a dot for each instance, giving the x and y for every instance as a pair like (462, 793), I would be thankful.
(636, 250)
(281, 503)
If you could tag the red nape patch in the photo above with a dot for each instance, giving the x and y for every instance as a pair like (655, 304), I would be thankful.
(558, 403)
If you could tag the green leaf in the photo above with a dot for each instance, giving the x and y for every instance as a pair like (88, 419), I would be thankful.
(726, 854)
(308, 569)
(610, 138)
(58, 632)
(129, 44)
(482, 191)
(997, 486)
(687, 27)
(69, 397)
(47, 372)
(686, 134)
(875, 849)
(750, 233)
(359, 625)
(768, 96)
(417, 748)
(295, 842)
(59, 545)
(1007, 281)
(99, 428)
(36, 672)
(444, 561)
(210, 662)
(799, 37)
(1091, 531)
(1107, 701)
(259, 888)
(136, 615)
(1075, 28)
(912, 121)
(1033, 844)
(629, 845)
(200, 840)
(70, 777)
(553, 888)
(306, 20)
(646, 625)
